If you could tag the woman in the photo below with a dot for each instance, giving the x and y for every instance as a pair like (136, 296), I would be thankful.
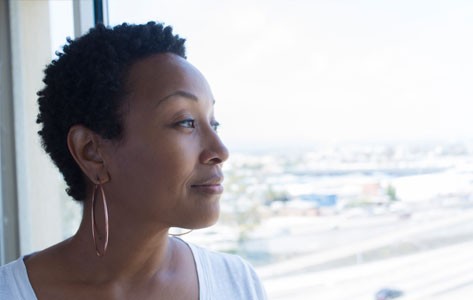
(130, 124)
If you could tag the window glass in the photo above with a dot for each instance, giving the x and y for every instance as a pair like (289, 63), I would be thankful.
(62, 27)
(348, 122)
(37, 28)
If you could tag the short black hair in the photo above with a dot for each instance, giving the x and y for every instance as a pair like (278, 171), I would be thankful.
(85, 85)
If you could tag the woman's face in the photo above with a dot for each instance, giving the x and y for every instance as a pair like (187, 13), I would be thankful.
(167, 168)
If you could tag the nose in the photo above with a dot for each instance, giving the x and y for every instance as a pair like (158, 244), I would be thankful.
(214, 151)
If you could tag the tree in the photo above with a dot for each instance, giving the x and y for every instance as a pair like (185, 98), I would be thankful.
(391, 193)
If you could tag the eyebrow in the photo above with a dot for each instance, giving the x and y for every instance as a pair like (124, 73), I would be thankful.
(180, 93)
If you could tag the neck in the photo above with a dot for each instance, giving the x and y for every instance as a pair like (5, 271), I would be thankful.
(134, 251)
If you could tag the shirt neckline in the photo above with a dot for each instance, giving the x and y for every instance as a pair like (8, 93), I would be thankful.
(21, 273)
(22, 279)
(198, 268)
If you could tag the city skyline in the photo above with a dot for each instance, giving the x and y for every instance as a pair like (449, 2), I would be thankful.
(301, 73)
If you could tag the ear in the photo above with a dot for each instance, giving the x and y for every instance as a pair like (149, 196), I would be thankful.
(84, 146)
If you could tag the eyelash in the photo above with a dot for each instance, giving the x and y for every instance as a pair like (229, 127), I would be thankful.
(190, 123)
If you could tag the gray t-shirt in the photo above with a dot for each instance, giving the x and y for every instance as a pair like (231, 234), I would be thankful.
(221, 276)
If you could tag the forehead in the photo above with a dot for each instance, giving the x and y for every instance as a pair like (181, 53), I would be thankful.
(162, 74)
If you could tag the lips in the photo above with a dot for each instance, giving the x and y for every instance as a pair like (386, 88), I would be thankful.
(210, 185)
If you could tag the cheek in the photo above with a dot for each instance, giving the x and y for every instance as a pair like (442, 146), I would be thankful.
(157, 167)
(176, 163)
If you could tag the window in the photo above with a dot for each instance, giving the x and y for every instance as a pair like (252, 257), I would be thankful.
(348, 124)
(33, 198)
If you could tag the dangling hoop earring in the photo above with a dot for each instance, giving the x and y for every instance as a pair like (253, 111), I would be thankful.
(181, 234)
(94, 224)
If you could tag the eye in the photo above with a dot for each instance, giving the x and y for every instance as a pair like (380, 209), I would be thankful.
(187, 123)
(215, 125)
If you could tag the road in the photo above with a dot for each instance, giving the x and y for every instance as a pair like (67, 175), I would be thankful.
(445, 272)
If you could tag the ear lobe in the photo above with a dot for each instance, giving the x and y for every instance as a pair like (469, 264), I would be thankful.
(84, 146)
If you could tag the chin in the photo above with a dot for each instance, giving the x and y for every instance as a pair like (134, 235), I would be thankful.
(204, 219)
(211, 222)
(207, 222)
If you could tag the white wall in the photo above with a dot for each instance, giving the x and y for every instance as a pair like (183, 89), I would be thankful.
(39, 185)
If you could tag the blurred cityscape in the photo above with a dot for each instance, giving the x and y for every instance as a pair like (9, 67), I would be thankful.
(364, 221)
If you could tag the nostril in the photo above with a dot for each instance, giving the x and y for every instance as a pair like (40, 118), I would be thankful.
(213, 151)
(212, 157)
(217, 160)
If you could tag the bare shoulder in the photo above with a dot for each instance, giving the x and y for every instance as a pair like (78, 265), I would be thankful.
(48, 271)
(44, 263)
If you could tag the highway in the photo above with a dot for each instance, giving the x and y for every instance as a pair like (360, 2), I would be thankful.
(445, 272)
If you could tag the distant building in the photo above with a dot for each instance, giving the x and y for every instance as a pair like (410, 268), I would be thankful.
(321, 200)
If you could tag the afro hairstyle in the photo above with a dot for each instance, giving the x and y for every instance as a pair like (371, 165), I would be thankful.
(85, 85)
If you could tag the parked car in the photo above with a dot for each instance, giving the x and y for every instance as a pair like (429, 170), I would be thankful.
(387, 294)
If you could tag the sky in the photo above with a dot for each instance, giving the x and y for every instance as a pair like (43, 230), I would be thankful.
(299, 73)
